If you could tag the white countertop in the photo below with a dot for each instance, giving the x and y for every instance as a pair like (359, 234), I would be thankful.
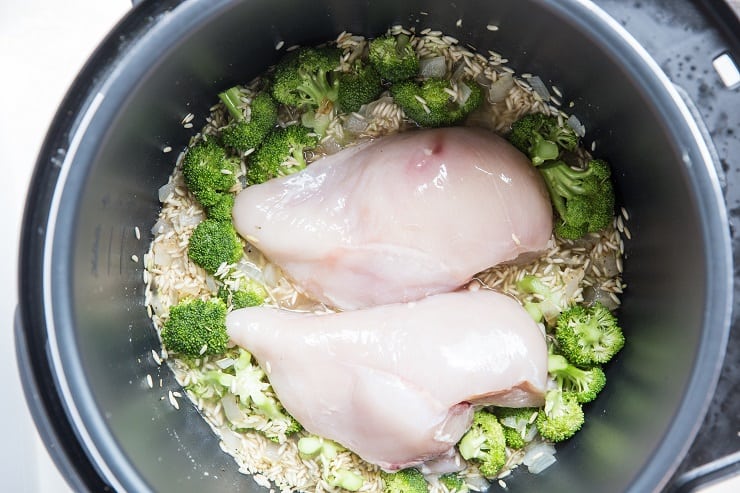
(43, 44)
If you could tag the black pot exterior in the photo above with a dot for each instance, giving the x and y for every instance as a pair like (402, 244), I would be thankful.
(97, 179)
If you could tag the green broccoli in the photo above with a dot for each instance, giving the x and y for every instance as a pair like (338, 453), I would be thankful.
(243, 134)
(562, 416)
(196, 327)
(516, 422)
(360, 86)
(583, 198)
(404, 481)
(221, 210)
(588, 335)
(250, 293)
(213, 243)
(305, 79)
(541, 138)
(454, 482)
(484, 443)
(282, 146)
(394, 57)
(584, 384)
(550, 299)
(430, 104)
(315, 447)
(208, 172)
(244, 384)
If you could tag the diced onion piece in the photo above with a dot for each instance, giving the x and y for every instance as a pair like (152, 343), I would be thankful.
(355, 123)
(539, 457)
(477, 483)
(539, 87)
(500, 89)
(463, 91)
(458, 70)
(230, 438)
(330, 145)
(231, 409)
(165, 191)
(576, 125)
(433, 67)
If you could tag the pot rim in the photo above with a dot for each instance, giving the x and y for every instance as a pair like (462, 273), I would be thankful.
(151, 21)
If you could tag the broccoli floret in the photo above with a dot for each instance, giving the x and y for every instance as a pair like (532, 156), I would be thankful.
(394, 57)
(583, 198)
(243, 134)
(516, 422)
(541, 138)
(293, 425)
(360, 86)
(315, 447)
(196, 327)
(405, 481)
(282, 146)
(562, 416)
(213, 243)
(250, 293)
(245, 384)
(584, 384)
(454, 482)
(484, 443)
(221, 210)
(438, 108)
(208, 172)
(550, 300)
(305, 79)
(588, 335)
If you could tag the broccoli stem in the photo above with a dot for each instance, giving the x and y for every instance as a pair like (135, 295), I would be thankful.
(402, 40)
(543, 150)
(232, 99)
(591, 332)
(346, 479)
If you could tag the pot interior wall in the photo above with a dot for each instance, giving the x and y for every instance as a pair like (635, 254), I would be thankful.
(195, 51)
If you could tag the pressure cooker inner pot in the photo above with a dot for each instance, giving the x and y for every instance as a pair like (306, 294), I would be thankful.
(178, 64)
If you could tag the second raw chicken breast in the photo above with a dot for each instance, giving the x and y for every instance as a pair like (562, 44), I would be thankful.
(397, 384)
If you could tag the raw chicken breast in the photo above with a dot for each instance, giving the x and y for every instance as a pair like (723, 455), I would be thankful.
(397, 383)
(399, 218)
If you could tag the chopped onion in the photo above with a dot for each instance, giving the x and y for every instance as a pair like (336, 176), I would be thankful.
(211, 283)
(355, 123)
(161, 227)
(463, 92)
(539, 457)
(271, 274)
(433, 67)
(232, 440)
(231, 409)
(539, 87)
(330, 146)
(165, 191)
(576, 125)
(186, 218)
(458, 70)
(500, 89)
(477, 483)
(224, 363)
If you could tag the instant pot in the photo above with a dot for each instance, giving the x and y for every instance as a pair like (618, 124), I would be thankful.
(667, 125)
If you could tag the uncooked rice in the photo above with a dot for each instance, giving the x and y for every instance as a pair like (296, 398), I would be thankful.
(583, 270)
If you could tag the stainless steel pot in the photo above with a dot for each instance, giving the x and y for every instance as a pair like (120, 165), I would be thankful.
(84, 339)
